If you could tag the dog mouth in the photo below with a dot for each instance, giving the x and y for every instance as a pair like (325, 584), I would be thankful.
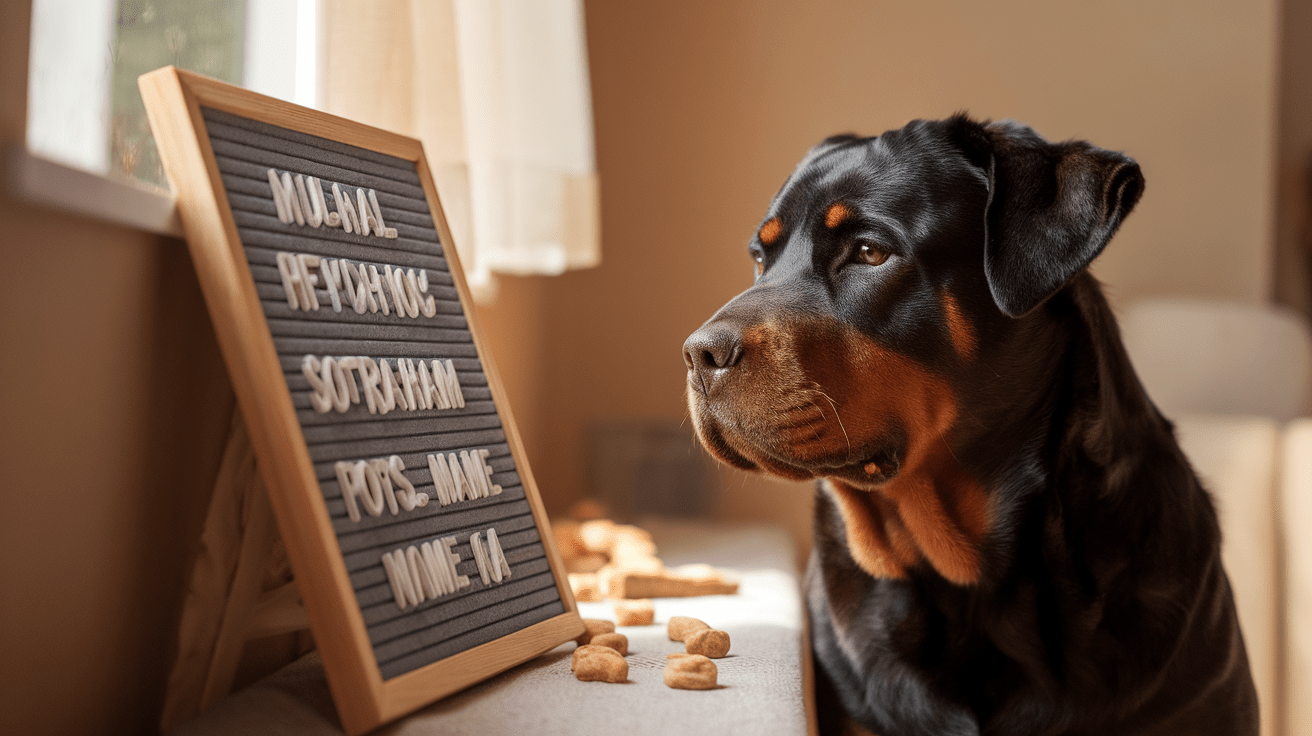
(806, 397)
(801, 439)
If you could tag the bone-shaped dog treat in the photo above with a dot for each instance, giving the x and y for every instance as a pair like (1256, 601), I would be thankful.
(592, 627)
(711, 643)
(618, 642)
(592, 663)
(680, 627)
(639, 612)
(690, 672)
(698, 637)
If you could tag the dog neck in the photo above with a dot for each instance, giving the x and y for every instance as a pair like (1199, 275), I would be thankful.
(942, 508)
(937, 514)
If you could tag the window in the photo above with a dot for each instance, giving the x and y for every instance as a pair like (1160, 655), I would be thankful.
(497, 90)
(84, 109)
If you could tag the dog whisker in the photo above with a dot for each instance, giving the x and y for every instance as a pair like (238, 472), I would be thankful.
(840, 421)
(951, 452)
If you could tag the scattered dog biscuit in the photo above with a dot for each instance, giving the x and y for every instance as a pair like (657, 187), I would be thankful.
(618, 561)
(581, 651)
(586, 587)
(711, 643)
(690, 672)
(623, 557)
(639, 612)
(618, 642)
(680, 627)
(592, 663)
(586, 563)
(632, 543)
(698, 637)
(597, 535)
(592, 627)
(568, 541)
(662, 584)
(697, 571)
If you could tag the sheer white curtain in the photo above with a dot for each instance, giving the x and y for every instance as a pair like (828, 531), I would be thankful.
(498, 92)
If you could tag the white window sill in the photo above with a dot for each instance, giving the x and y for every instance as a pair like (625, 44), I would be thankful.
(55, 185)
(64, 188)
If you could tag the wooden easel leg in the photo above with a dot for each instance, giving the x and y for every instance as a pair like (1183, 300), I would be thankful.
(224, 606)
(258, 535)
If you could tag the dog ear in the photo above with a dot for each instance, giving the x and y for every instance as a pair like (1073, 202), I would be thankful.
(1052, 208)
(837, 140)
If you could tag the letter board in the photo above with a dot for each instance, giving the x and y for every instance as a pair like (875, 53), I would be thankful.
(415, 533)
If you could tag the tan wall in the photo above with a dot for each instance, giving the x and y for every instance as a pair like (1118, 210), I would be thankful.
(1293, 173)
(115, 404)
(702, 109)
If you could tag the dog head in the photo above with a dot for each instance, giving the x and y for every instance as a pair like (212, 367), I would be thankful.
(894, 276)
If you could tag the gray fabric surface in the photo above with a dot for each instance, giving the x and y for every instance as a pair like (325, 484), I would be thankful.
(760, 681)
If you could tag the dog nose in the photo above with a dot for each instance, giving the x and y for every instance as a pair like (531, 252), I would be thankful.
(709, 351)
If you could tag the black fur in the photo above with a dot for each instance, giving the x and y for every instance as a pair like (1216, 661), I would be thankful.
(1093, 601)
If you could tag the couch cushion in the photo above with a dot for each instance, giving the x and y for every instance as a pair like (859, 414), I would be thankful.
(1236, 457)
(1295, 516)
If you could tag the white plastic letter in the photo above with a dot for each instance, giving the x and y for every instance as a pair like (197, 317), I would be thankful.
(321, 396)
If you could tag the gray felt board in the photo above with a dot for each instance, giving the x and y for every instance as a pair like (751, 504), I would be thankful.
(403, 640)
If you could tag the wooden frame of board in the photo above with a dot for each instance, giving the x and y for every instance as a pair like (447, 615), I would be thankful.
(365, 699)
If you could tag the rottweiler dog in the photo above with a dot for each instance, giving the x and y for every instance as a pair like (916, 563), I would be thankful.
(1008, 539)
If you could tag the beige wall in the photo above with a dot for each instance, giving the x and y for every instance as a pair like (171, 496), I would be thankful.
(703, 108)
(114, 404)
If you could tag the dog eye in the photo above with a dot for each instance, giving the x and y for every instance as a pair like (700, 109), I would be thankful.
(870, 255)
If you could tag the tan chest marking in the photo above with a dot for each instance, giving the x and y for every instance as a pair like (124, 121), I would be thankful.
(933, 509)
(914, 518)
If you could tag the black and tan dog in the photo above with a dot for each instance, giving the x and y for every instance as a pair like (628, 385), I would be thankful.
(1008, 538)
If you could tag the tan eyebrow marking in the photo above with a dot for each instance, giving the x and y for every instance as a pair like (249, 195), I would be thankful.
(962, 332)
(770, 231)
(836, 214)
